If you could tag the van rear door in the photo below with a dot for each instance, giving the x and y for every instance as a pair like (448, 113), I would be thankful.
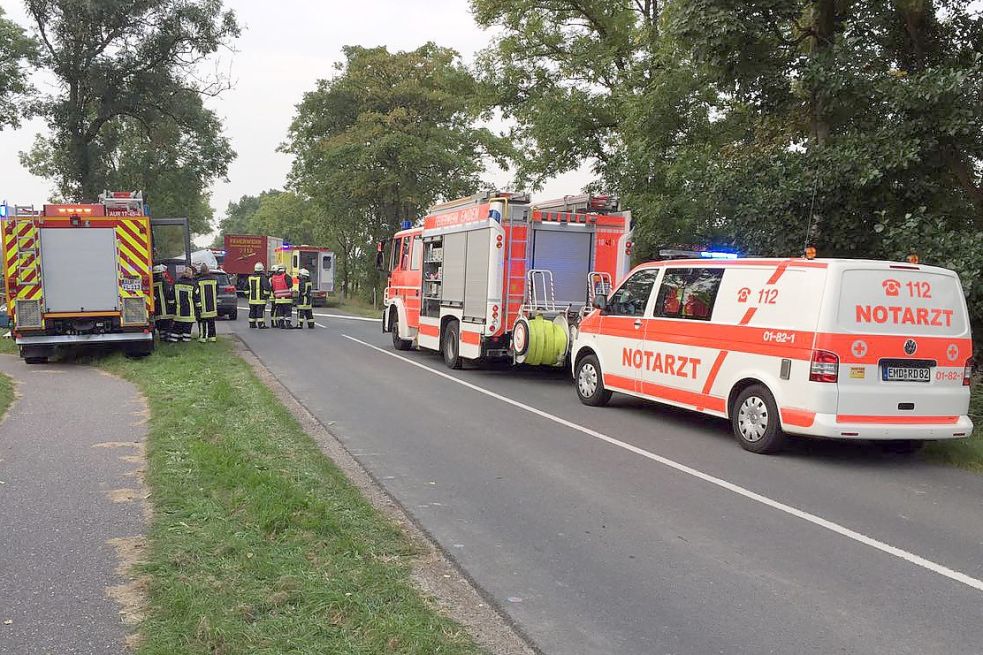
(902, 336)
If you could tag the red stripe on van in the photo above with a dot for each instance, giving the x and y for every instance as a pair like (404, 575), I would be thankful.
(897, 420)
(798, 417)
(778, 273)
(875, 347)
(671, 394)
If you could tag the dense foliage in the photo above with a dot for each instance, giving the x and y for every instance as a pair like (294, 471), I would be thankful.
(127, 109)
(16, 52)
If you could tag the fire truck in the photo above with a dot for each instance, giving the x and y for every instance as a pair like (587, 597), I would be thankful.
(244, 251)
(319, 262)
(492, 276)
(82, 273)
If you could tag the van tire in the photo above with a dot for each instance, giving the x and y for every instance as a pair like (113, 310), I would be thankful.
(756, 423)
(398, 344)
(450, 345)
(590, 383)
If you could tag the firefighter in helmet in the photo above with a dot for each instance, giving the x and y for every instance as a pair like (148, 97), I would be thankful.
(184, 305)
(259, 293)
(163, 302)
(305, 300)
(283, 297)
(206, 303)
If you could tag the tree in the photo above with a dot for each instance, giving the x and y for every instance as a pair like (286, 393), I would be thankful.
(17, 51)
(286, 215)
(760, 125)
(385, 138)
(123, 68)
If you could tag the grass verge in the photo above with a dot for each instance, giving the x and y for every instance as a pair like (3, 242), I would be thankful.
(357, 307)
(6, 394)
(966, 453)
(259, 544)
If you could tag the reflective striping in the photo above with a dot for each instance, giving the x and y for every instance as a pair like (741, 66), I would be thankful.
(800, 418)
(897, 420)
(669, 394)
(473, 338)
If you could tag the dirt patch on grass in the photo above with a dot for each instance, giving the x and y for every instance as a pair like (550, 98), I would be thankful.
(439, 579)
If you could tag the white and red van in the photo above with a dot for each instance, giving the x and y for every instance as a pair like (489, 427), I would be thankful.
(838, 348)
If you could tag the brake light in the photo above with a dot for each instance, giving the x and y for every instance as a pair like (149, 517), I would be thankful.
(229, 289)
(968, 372)
(825, 366)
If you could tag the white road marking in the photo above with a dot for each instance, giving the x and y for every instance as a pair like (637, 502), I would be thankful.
(320, 326)
(706, 477)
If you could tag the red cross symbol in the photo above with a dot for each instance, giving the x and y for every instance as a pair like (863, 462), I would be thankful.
(952, 352)
(859, 348)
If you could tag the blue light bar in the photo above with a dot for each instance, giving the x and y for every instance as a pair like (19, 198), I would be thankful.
(4, 212)
(710, 254)
(405, 225)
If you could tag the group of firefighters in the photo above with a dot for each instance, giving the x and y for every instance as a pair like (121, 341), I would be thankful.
(277, 289)
(193, 298)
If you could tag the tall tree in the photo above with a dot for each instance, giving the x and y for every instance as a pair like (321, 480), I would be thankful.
(17, 51)
(239, 213)
(122, 67)
(387, 136)
(760, 124)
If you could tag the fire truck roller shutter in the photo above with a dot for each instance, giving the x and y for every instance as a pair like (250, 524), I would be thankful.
(476, 275)
(566, 251)
(455, 258)
(79, 269)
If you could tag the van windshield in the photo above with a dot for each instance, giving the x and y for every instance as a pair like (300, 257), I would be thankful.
(896, 301)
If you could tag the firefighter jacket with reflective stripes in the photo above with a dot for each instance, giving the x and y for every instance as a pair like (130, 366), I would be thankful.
(305, 299)
(282, 288)
(184, 300)
(206, 295)
(259, 289)
(163, 297)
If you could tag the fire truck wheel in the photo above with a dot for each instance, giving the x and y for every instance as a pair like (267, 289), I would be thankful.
(754, 417)
(398, 344)
(590, 384)
(451, 346)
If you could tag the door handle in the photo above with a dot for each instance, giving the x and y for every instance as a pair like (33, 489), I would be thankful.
(638, 323)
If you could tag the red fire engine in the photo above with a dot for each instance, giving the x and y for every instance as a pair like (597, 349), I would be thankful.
(493, 276)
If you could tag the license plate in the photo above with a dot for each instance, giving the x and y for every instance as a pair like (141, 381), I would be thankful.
(906, 374)
(132, 284)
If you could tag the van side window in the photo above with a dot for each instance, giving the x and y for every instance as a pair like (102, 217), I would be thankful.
(417, 258)
(630, 299)
(688, 293)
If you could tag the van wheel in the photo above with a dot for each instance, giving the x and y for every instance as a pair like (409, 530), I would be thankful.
(452, 345)
(756, 422)
(590, 385)
(398, 344)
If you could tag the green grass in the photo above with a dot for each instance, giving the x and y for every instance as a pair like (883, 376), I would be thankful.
(259, 544)
(6, 393)
(966, 453)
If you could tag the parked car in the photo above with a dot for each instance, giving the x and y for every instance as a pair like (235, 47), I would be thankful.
(227, 300)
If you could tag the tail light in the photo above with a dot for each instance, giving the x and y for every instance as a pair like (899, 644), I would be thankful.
(825, 366)
(229, 289)
(968, 371)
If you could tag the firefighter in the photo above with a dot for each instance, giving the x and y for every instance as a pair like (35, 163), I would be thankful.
(305, 300)
(206, 303)
(163, 303)
(184, 306)
(259, 293)
(282, 285)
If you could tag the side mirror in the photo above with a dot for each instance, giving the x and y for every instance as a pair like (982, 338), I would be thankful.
(380, 256)
(600, 301)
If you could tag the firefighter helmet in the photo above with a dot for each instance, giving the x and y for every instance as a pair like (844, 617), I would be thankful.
(258, 267)
(159, 268)
(304, 272)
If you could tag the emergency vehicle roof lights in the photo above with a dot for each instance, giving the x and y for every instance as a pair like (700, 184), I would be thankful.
(4, 211)
(405, 225)
(712, 254)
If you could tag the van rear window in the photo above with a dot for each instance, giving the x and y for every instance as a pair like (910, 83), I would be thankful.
(898, 301)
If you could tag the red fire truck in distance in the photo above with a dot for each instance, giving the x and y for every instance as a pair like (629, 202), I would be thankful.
(493, 276)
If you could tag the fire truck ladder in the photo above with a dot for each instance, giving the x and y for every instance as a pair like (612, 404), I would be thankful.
(128, 201)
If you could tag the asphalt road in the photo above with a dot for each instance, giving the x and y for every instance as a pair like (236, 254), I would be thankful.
(69, 452)
(638, 529)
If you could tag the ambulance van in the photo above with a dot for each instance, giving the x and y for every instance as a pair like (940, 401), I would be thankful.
(835, 348)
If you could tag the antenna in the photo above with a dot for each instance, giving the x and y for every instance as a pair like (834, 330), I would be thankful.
(812, 208)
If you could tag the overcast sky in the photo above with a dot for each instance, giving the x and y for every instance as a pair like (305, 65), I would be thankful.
(286, 46)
